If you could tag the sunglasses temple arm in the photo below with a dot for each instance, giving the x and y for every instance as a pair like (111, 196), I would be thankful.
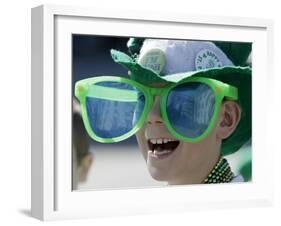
(231, 93)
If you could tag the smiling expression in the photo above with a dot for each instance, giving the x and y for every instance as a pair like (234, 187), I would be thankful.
(169, 159)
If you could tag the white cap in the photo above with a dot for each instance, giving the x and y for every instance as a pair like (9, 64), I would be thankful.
(177, 56)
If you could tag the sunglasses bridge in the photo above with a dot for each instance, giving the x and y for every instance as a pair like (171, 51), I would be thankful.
(156, 91)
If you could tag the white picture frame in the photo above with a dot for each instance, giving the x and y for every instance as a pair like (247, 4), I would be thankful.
(52, 195)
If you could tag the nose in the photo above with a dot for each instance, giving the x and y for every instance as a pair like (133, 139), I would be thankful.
(154, 116)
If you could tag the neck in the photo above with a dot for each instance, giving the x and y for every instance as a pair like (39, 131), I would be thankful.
(198, 174)
(218, 172)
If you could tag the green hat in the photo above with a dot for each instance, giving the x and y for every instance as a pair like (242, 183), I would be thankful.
(170, 61)
(244, 167)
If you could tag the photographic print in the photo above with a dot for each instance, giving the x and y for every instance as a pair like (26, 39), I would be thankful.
(160, 112)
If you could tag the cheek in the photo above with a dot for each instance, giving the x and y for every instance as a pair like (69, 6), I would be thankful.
(190, 151)
(142, 142)
(195, 153)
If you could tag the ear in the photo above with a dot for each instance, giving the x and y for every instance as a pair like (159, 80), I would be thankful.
(228, 119)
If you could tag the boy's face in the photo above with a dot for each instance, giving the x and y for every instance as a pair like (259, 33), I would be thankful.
(172, 160)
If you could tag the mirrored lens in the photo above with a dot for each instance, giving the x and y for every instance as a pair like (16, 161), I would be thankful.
(190, 108)
(113, 108)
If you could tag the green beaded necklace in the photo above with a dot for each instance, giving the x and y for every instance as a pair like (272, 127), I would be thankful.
(221, 173)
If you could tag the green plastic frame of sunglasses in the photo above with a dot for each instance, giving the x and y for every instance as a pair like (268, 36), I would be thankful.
(221, 90)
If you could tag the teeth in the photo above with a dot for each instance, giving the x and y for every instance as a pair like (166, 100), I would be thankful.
(160, 140)
(161, 152)
(156, 152)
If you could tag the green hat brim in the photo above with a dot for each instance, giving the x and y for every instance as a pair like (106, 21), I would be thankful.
(240, 77)
(147, 77)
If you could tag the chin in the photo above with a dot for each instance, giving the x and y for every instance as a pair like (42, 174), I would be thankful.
(158, 174)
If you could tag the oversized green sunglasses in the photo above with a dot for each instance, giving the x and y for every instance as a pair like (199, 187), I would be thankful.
(115, 108)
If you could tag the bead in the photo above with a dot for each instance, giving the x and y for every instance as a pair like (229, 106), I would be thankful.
(221, 173)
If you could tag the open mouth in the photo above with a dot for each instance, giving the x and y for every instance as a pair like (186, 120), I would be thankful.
(162, 147)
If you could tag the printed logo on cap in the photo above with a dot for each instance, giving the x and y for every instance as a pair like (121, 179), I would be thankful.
(153, 59)
(207, 59)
